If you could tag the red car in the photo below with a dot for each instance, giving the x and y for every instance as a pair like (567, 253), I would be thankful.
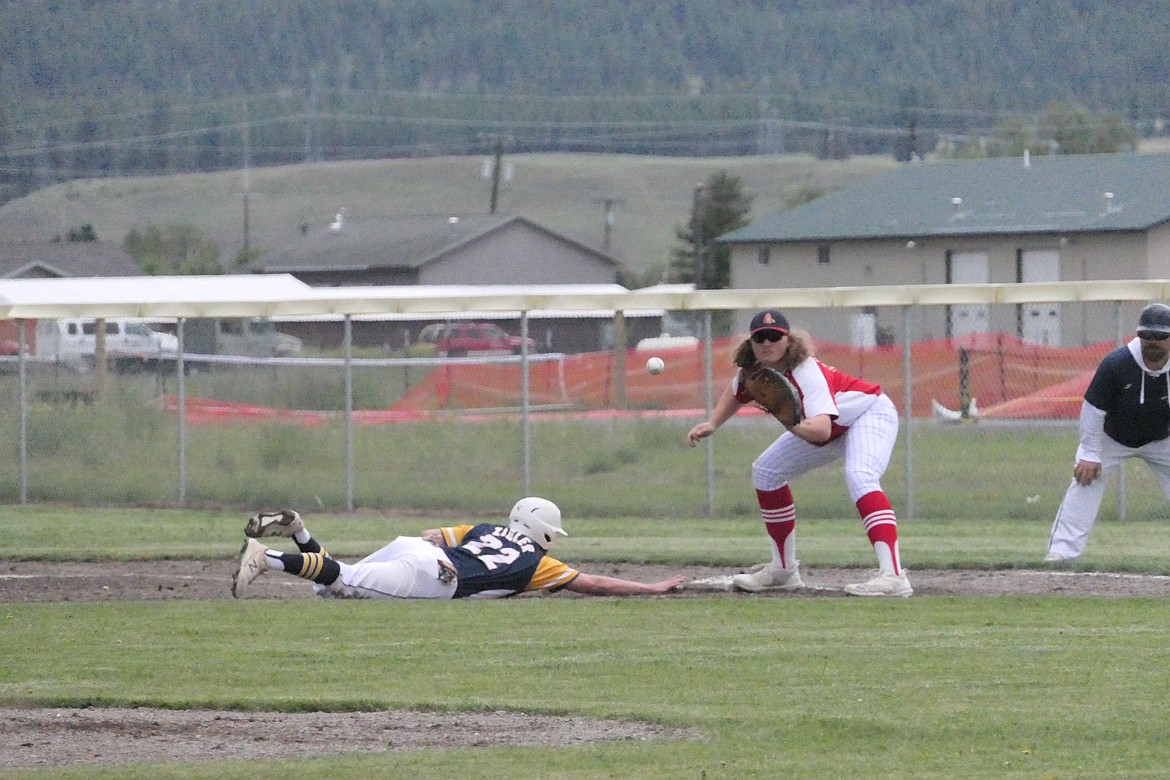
(9, 347)
(463, 339)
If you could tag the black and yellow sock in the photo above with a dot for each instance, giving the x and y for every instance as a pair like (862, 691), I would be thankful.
(310, 546)
(314, 566)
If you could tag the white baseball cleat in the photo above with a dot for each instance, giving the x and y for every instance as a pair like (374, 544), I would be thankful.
(252, 565)
(286, 522)
(770, 577)
(1055, 557)
(883, 584)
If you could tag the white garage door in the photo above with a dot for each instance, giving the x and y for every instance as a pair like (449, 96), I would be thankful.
(969, 318)
(1040, 322)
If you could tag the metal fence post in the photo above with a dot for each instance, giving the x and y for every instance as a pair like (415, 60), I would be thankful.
(181, 388)
(348, 349)
(1121, 469)
(23, 372)
(908, 410)
(525, 422)
(709, 405)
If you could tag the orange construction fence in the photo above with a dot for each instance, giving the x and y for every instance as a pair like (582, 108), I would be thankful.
(1006, 376)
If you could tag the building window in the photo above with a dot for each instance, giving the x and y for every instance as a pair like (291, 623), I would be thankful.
(823, 254)
(764, 255)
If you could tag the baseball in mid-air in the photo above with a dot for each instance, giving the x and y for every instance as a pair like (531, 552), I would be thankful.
(655, 365)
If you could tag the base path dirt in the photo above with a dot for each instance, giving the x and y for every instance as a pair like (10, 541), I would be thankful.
(34, 581)
(105, 736)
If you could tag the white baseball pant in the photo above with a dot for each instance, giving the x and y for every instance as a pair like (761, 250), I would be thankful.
(407, 568)
(1078, 511)
(866, 448)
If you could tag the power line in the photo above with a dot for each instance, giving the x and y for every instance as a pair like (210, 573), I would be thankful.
(321, 95)
(223, 143)
(616, 130)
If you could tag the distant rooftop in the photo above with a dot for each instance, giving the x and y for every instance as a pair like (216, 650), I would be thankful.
(1055, 193)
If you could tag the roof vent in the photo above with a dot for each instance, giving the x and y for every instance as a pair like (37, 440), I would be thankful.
(338, 221)
(1109, 207)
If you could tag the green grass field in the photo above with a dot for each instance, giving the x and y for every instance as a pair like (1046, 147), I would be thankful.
(986, 687)
(122, 452)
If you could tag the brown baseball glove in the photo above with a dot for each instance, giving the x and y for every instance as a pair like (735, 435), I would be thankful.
(773, 391)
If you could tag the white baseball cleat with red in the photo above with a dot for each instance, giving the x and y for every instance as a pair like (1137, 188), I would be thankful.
(883, 584)
(770, 577)
(252, 565)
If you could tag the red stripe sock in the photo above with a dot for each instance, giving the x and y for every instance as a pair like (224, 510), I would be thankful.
(877, 517)
(779, 513)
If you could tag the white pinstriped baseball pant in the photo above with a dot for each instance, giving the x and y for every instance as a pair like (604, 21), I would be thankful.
(866, 448)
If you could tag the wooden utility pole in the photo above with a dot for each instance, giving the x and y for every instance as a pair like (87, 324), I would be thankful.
(609, 204)
(697, 237)
(619, 360)
(99, 357)
(497, 167)
(247, 133)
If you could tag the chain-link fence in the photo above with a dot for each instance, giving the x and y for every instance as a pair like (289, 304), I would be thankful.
(989, 426)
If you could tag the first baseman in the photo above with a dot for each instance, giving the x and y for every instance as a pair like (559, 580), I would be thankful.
(844, 417)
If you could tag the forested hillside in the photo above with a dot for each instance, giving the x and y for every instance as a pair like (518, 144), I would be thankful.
(979, 55)
(95, 88)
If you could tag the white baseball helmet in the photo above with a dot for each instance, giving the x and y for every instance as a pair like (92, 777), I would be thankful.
(537, 518)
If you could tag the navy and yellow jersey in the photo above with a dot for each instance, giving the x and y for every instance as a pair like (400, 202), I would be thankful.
(492, 561)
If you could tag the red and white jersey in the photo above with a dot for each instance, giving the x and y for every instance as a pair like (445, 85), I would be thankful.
(823, 390)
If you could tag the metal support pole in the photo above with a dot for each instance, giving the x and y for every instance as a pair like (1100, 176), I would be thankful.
(347, 338)
(709, 405)
(1121, 333)
(908, 410)
(525, 422)
(23, 372)
(181, 386)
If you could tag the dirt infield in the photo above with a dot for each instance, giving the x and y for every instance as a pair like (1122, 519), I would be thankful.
(32, 581)
(63, 737)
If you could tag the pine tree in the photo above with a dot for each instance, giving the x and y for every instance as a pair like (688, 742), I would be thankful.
(719, 206)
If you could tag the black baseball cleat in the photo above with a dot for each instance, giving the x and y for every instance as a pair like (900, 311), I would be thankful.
(285, 522)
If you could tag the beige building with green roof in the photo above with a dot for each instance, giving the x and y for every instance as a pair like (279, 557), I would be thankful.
(1000, 221)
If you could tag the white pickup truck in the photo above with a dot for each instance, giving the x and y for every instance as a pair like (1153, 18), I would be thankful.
(130, 344)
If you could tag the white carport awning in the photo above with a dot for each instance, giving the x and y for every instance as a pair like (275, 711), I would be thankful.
(452, 301)
(273, 295)
(156, 297)
(283, 296)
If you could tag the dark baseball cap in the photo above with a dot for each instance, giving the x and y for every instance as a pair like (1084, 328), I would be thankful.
(769, 319)
(1155, 318)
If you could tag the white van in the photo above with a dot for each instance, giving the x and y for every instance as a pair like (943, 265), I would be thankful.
(129, 343)
(250, 336)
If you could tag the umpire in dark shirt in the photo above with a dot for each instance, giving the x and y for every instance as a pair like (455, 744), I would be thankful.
(1126, 414)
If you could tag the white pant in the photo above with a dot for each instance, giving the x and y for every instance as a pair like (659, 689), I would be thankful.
(1078, 511)
(866, 448)
(407, 568)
